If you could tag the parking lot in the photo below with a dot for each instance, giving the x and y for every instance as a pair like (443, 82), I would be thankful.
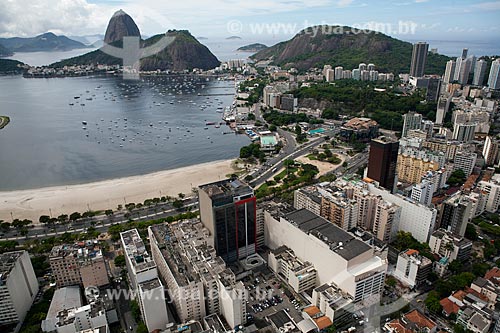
(267, 296)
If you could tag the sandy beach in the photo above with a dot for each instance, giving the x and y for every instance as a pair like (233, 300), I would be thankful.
(107, 194)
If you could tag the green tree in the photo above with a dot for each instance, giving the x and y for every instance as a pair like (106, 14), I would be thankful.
(75, 216)
(44, 219)
(136, 311)
(480, 268)
(432, 303)
(471, 232)
(455, 267)
(6, 246)
(178, 204)
(457, 178)
(142, 328)
(63, 218)
(298, 130)
(119, 261)
(5, 226)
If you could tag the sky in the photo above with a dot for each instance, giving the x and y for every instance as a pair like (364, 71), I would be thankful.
(450, 20)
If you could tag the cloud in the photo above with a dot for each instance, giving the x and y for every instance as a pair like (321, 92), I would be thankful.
(493, 5)
(344, 3)
(80, 17)
(28, 18)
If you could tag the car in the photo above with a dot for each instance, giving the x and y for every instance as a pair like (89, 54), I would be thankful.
(130, 328)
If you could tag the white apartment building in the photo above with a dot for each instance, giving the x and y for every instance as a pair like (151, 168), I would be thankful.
(465, 161)
(412, 269)
(386, 220)
(67, 314)
(308, 198)
(445, 244)
(492, 190)
(423, 192)
(144, 281)
(411, 121)
(233, 298)
(490, 150)
(299, 275)
(198, 280)
(464, 132)
(415, 218)
(18, 287)
(336, 255)
(335, 304)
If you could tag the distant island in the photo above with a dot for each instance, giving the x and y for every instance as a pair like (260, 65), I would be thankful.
(255, 47)
(4, 120)
(201, 38)
(41, 43)
(233, 37)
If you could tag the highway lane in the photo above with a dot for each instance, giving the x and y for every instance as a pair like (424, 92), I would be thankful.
(101, 223)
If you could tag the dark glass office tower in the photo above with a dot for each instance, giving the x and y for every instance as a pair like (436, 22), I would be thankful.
(382, 161)
(228, 211)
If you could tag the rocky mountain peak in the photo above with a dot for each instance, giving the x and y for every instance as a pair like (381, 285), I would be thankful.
(119, 26)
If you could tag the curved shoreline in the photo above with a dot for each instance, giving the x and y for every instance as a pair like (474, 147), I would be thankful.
(108, 194)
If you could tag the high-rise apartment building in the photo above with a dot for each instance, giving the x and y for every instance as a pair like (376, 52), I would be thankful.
(494, 78)
(465, 161)
(415, 218)
(18, 287)
(144, 281)
(198, 280)
(228, 211)
(449, 72)
(442, 108)
(462, 70)
(423, 192)
(386, 220)
(464, 132)
(490, 150)
(339, 73)
(411, 169)
(418, 59)
(455, 213)
(465, 52)
(339, 210)
(307, 198)
(492, 190)
(382, 161)
(479, 72)
(411, 120)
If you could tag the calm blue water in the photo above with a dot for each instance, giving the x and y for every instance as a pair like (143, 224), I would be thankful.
(45, 143)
